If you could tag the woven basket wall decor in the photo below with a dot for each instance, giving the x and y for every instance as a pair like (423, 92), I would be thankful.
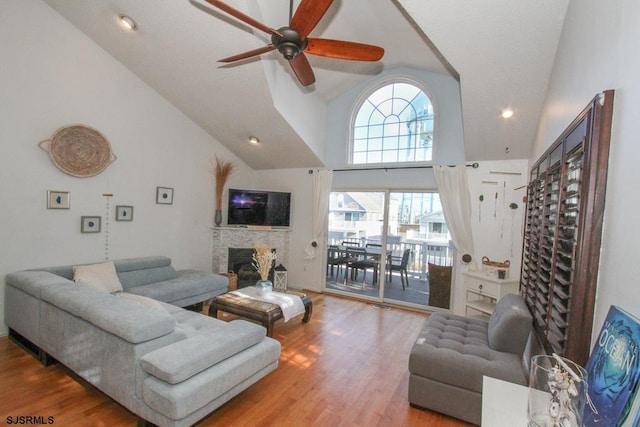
(79, 151)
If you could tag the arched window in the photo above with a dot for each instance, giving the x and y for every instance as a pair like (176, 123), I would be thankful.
(394, 124)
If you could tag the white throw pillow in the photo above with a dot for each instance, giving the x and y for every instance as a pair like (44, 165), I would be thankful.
(99, 276)
(142, 300)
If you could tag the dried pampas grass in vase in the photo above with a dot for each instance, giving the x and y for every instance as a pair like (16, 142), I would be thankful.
(263, 259)
(222, 170)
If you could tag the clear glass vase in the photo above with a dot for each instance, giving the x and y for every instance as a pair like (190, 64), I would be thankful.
(263, 287)
(557, 392)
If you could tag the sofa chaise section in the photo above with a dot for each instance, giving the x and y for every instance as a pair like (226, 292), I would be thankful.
(452, 354)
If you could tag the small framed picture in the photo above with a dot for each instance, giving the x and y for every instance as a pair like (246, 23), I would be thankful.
(164, 195)
(57, 199)
(124, 213)
(90, 224)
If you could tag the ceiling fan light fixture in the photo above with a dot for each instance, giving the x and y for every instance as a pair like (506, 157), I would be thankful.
(288, 50)
(127, 22)
(253, 140)
(288, 42)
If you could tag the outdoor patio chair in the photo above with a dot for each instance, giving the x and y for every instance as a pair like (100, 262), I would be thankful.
(400, 264)
(336, 257)
(358, 260)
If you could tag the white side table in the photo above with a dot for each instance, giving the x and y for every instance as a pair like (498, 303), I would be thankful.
(483, 292)
(504, 403)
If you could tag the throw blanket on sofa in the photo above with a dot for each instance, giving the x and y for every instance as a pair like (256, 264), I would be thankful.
(291, 305)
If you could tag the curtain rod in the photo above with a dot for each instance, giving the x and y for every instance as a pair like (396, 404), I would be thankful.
(474, 165)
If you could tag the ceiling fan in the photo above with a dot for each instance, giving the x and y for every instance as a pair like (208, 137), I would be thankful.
(292, 41)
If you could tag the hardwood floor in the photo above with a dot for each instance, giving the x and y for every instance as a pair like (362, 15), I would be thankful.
(346, 367)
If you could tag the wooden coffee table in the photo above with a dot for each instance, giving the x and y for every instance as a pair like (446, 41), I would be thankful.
(264, 312)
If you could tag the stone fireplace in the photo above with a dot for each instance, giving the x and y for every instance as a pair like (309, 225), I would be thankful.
(240, 261)
(233, 249)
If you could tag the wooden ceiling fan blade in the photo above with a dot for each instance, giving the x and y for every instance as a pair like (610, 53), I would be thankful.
(308, 15)
(249, 54)
(342, 49)
(242, 17)
(302, 69)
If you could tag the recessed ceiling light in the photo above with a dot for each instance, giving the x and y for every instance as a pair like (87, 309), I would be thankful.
(254, 140)
(127, 23)
(506, 113)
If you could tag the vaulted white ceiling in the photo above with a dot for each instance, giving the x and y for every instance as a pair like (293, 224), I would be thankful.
(502, 52)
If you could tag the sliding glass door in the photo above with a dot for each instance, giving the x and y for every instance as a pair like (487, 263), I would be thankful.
(381, 243)
(355, 224)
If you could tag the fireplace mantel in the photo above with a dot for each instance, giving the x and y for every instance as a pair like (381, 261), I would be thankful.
(236, 237)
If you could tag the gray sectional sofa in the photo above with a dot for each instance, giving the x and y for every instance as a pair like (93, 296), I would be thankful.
(156, 278)
(168, 365)
(452, 354)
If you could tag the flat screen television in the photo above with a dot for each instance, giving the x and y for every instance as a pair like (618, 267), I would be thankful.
(254, 207)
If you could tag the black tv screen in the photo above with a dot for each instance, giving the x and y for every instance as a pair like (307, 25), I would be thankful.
(253, 207)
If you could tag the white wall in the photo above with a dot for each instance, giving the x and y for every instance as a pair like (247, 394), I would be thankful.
(599, 50)
(301, 273)
(497, 228)
(51, 76)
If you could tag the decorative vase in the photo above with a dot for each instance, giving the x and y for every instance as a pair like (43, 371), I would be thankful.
(217, 219)
(264, 287)
(557, 392)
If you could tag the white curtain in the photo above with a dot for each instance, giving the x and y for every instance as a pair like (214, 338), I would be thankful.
(453, 187)
(322, 181)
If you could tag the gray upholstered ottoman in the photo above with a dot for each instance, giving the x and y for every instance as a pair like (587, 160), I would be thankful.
(453, 353)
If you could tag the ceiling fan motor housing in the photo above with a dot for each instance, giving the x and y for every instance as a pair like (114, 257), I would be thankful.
(290, 44)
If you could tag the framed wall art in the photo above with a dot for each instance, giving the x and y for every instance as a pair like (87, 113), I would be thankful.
(58, 199)
(164, 195)
(90, 224)
(124, 213)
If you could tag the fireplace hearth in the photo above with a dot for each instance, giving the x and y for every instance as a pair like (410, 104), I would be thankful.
(241, 262)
